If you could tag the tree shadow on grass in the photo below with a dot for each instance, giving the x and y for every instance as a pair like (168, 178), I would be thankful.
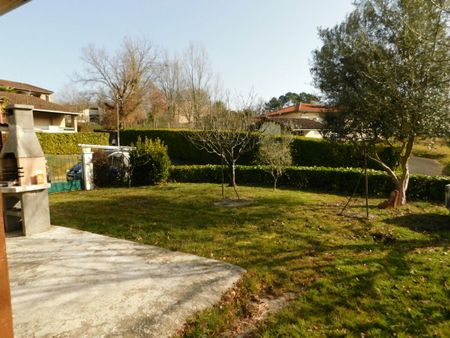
(374, 289)
(358, 276)
(437, 225)
(163, 210)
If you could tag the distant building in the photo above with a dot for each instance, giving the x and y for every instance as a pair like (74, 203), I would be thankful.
(89, 115)
(48, 116)
(304, 119)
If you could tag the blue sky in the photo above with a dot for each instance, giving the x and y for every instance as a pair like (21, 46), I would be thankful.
(264, 45)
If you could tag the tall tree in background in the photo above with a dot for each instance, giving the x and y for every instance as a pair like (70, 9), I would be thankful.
(198, 77)
(387, 68)
(187, 85)
(122, 80)
(170, 83)
(75, 98)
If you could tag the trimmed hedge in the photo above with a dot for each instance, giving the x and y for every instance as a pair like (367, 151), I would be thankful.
(330, 180)
(67, 144)
(305, 151)
(177, 142)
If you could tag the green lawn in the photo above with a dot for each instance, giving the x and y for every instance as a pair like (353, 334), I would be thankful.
(389, 276)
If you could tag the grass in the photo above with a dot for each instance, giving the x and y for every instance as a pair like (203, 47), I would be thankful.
(438, 149)
(388, 276)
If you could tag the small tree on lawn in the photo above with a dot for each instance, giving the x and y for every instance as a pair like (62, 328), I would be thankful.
(226, 133)
(275, 152)
(387, 70)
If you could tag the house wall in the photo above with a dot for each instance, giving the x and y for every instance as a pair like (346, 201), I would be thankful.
(89, 115)
(45, 97)
(85, 116)
(47, 119)
(295, 115)
(310, 133)
(312, 116)
(305, 115)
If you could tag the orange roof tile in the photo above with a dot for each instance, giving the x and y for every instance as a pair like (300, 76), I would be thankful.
(24, 87)
(302, 108)
(39, 104)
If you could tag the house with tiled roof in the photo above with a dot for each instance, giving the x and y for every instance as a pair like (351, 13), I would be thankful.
(48, 116)
(304, 119)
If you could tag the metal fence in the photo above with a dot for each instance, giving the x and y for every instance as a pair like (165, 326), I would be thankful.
(59, 172)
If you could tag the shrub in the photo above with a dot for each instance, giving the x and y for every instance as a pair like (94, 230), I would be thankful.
(149, 162)
(67, 144)
(331, 180)
(305, 151)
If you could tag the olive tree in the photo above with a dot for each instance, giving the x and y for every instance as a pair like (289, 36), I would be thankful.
(387, 70)
(275, 152)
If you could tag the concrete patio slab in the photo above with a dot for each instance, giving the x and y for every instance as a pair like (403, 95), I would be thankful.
(70, 283)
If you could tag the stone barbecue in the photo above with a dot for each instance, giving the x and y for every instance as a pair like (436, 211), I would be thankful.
(23, 179)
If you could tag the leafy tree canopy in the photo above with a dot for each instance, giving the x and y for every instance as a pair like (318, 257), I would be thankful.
(387, 69)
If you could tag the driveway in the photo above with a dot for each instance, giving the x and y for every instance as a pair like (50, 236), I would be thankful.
(70, 283)
(425, 166)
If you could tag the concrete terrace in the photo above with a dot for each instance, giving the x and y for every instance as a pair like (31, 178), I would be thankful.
(70, 283)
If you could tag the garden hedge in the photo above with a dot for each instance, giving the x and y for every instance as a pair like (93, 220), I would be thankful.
(67, 144)
(305, 151)
(330, 180)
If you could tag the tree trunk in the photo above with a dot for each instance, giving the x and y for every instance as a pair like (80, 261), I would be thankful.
(233, 178)
(222, 178)
(402, 187)
(232, 172)
(398, 196)
(403, 183)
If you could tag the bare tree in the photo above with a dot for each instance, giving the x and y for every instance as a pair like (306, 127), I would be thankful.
(158, 110)
(122, 79)
(197, 76)
(78, 99)
(170, 83)
(226, 133)
(275, 152)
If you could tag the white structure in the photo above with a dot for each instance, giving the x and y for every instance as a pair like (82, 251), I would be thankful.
(88, 115)
(87, 164)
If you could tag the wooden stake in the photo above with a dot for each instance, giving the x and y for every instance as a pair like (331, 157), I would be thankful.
(366, 183)
(6, 325)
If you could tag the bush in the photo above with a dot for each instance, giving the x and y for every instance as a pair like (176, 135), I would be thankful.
(67, 144)
(149, 162)
(305, 151)
(330, 180)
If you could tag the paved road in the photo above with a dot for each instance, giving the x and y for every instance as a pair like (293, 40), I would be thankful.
(425, 166)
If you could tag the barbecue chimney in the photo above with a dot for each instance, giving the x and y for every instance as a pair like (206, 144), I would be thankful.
(23, 175)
